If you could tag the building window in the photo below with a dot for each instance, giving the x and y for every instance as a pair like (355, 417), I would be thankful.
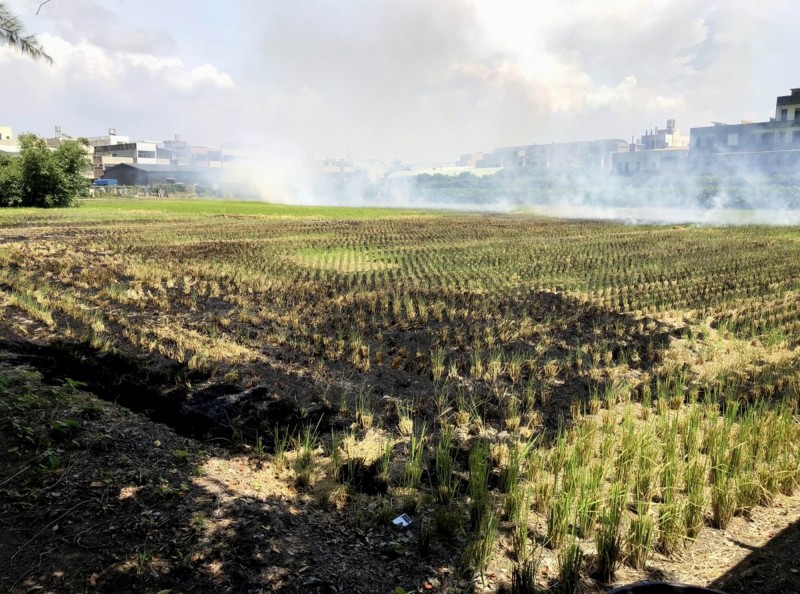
(784, 115)
(733, 139)
(146, 154)
(782, 136)
(796, 136)
(797, 113)
(766, 138)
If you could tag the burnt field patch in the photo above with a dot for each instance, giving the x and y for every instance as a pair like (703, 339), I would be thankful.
(519, 386)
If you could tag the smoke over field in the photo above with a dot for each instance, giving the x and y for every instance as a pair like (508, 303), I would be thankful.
(710, 199)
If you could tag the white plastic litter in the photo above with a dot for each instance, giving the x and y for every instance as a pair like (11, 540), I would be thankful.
(402, 521)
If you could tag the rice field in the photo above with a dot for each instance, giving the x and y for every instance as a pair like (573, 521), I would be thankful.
(525, 387)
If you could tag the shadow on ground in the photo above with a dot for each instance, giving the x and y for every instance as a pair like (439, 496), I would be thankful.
(95, 498)
(771, 569)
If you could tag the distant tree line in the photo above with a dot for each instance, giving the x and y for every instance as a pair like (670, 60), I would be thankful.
(42, 177)
(521, 186)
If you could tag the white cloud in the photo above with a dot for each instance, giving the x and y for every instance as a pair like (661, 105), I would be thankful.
(415, 79)
(209, 75)
(84, 61)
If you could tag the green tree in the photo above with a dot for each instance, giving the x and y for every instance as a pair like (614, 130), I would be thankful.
(10, 180)
(73, 163)
(12, 33)
(40, 176)
(43, 177)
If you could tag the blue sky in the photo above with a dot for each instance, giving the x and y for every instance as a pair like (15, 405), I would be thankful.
(417, 80)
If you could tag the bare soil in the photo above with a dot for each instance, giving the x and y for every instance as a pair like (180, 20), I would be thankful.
(97, 498)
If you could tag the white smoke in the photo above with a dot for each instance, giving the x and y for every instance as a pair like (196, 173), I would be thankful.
(743, 198)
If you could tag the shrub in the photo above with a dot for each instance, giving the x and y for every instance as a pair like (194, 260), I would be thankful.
(41, 177)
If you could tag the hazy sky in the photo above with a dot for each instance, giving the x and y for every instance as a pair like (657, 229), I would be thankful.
(418, 80)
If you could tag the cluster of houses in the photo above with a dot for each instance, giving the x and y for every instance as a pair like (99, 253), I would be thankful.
(229, 169)
(771, 147)
(146, 162)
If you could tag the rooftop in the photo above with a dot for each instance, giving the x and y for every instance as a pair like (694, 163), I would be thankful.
(164, 168)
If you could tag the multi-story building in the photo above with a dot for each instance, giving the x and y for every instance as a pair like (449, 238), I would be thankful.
(139, 152)
(588, 154)
(469, 159)
(766, 147)
(335, 168)
(114, 149)
(179, 152)
(658, 150)
(662, 138)
(8, 143)
(651, 161)
(111, 138)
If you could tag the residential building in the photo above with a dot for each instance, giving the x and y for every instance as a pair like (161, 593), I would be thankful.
(236, 155)
(335, 166)
(766, 147)
(345, 168)
(111, 138)
(662, 138)
(139, 152)
(179, 152)
(114, 149)
(590, 154)
(658, 150)
(469, 159)
(651, 161)
(55, 141)
(510, 156)
(8, 144)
